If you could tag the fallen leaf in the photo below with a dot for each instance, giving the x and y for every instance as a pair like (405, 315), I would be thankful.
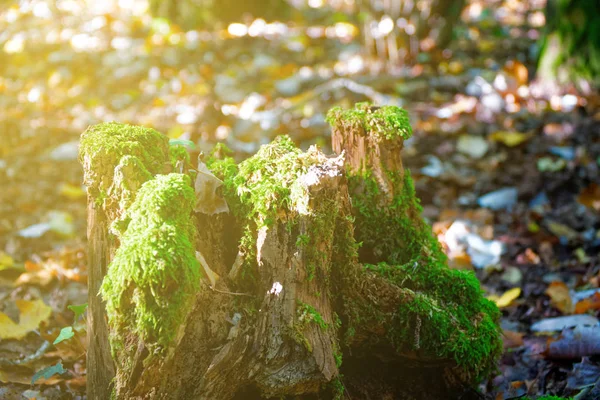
(473, 146)
(6, 261)
(547, 164)
(561, 230)
(42, 277)
(512, 339)
(559, 323)
(72, 192)
(577, 342)
(510, 139)
(590, 303)
(560, 297)
(48, 372)
(22, 375)
(501, 199)
(507, 297)
(32, 314)
(590, 196)
(583, 374)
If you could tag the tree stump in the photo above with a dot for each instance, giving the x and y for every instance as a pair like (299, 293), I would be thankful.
(291, 274)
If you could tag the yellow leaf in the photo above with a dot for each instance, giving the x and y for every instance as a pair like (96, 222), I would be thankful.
(6, 261)
(510, 139)
(507, 298)
(71, 191)
(33, 313)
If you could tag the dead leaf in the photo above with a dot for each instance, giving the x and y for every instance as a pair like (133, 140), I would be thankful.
(560, 297)
(590, 303)
(512, 339)
(559, 323)
(32, 314)
(210, 274)
(510, 139)
(577, 342)
(72, 192)
(208, 199)
(590, 196)
(507, 298)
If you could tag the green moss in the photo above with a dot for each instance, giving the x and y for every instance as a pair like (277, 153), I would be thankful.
(386, 122)
(337, 388)
(441, 313)
(103, 145)
(224, 167)
(265, 189)
(395, 233)
(154, 273)
(179, 153)
(128, 177)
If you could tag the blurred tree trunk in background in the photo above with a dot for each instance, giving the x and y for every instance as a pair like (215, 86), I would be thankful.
(396, 29)
(208, 14)
(392, 30)
(570, 46)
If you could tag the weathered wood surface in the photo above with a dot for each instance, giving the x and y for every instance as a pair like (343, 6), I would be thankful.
(284, 294)
(100, 365)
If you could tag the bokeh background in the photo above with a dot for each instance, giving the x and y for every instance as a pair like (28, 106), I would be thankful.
(503, 100)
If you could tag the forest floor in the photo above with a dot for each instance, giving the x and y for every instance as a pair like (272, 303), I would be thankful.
(507, 168)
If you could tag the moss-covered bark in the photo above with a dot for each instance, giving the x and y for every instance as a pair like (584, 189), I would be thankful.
(441, 313)
(320, 262)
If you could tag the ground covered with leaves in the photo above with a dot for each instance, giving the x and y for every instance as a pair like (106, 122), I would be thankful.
(507, 168)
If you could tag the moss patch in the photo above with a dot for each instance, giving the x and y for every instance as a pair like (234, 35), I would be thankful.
(386, 122)
(103, 145)
(154, 273)
(441, 313)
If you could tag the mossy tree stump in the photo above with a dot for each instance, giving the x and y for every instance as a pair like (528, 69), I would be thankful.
(317, 276)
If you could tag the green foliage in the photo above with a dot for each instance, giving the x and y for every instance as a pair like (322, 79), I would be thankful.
(384, 122)
(308, 314)
(78, 309)
(179, 153)
(65, 334)
(154, 273)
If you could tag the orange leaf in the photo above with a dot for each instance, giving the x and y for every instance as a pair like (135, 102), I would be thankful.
(591, 303)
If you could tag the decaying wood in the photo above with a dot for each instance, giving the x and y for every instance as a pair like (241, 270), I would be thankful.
(99, 380)
(274, 313)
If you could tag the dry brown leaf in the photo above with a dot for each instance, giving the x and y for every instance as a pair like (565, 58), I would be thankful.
(560, 297)
(512, 339)
(590, 196)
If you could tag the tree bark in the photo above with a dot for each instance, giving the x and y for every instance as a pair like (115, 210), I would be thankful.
(99, 379)
(276, 297)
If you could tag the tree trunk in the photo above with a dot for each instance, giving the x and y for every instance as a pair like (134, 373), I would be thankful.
(272, 295)
(570, 48)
